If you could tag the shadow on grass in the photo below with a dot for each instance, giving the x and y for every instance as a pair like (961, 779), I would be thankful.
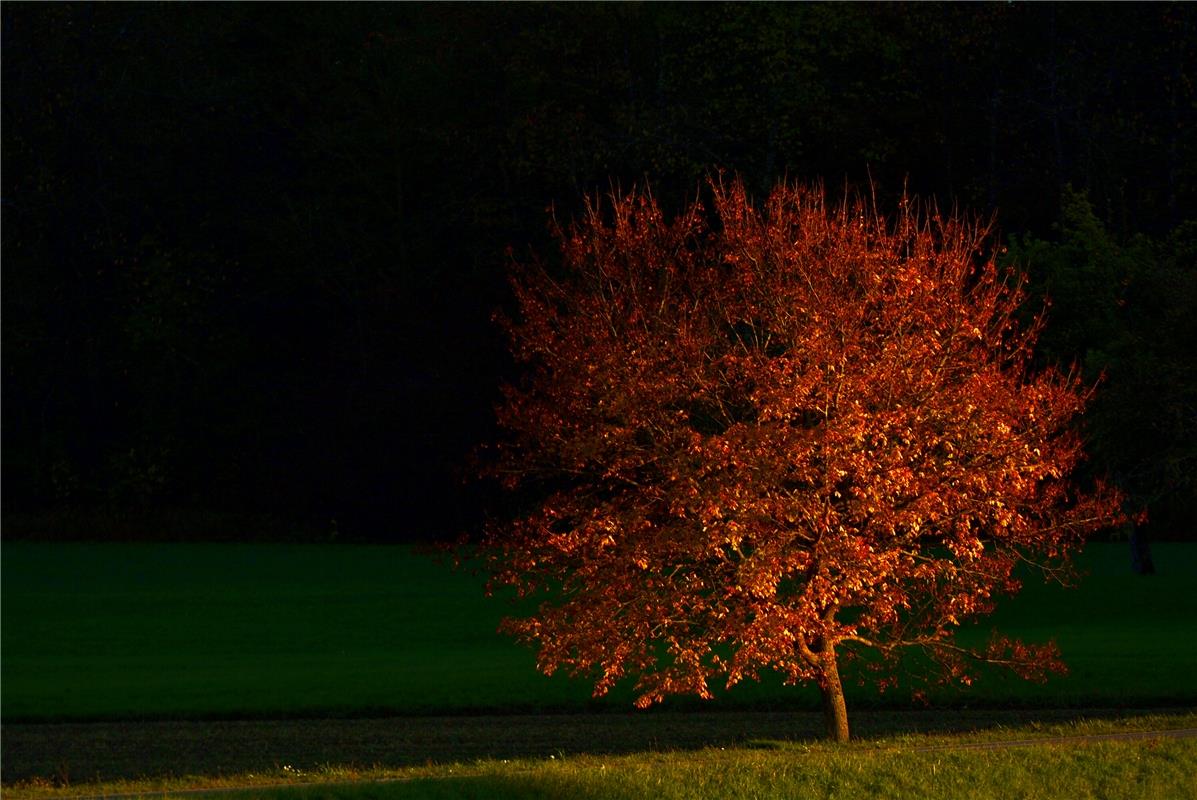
(70, 753)
(490, 787)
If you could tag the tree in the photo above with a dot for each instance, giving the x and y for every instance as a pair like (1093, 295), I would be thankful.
(777, 440)
(1122, 309)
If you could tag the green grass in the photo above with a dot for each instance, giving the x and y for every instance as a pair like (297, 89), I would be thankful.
(1095, 771)
(217, 630)
(67, 753)
(902, 766)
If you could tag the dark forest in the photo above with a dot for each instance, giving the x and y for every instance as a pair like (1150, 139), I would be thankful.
(251, 252)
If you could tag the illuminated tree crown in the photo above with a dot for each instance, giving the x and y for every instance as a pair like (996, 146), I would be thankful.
(776, 437)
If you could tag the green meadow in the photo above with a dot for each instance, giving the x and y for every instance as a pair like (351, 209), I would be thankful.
(1025, 761)
(1132, 770)
(193, 631)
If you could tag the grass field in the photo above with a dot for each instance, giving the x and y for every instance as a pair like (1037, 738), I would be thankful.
(115, 631)
(909, 765)
(1159, 770)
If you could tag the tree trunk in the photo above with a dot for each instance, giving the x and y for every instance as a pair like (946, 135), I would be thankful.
(1141, 563)
(835, 711)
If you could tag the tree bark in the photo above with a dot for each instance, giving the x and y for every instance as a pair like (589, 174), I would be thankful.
(1141, 563)
(835, 710)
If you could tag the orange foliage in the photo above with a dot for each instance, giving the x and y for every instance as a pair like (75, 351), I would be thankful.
(795, 432)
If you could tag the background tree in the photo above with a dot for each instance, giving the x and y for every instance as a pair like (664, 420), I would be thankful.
(249, 256)
(1122, 312)
(776, 441)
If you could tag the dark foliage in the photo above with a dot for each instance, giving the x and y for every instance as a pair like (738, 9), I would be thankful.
(250, 254)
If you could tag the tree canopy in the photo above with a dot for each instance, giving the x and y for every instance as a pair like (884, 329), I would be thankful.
(774, 437)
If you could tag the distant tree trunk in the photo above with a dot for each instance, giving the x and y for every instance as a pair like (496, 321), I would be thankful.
(835, 710)
(1141, 563)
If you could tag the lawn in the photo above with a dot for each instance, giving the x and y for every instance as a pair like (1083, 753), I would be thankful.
(125, 631)
(904, 765)
(1115, 770)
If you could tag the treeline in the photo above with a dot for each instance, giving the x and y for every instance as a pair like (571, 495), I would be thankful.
(250, 252)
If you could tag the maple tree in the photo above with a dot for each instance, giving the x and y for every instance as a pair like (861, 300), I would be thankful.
(777, 438)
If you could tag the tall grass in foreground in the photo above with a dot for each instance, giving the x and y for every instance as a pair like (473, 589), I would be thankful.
(1108, 770)
(902, 766)
(1150, 770)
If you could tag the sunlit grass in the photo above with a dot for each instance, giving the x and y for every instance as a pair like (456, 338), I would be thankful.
(906, 766)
